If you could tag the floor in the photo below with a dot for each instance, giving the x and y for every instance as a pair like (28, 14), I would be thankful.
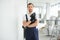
(43, 36)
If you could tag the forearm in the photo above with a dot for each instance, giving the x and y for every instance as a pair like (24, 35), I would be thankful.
(26, 23)
(34, 24)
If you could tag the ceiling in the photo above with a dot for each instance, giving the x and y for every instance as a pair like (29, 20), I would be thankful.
(45, 1)
(40, 2)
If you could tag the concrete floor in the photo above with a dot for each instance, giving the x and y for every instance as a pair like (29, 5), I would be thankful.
(43, 36)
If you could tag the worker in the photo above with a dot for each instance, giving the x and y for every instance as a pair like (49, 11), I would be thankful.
(30, 22)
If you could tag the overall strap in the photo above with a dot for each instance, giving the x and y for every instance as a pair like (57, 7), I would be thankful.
(26, 17)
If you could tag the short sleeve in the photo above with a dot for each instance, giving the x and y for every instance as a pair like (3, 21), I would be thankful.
(24, 18)
(37, 17)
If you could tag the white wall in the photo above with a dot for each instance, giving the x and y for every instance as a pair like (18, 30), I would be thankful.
(21, 10)
(9, 10)
(8, 30)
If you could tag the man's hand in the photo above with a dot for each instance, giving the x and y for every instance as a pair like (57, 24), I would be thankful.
(34, 24)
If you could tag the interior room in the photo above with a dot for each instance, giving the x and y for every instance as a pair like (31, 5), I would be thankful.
(11, 18)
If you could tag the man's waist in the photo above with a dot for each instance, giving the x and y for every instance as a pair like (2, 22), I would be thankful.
(30, 27)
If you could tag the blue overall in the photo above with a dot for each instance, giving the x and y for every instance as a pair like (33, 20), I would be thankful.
(31, 34)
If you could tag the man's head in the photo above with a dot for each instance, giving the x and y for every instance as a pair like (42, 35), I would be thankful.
(30, 7)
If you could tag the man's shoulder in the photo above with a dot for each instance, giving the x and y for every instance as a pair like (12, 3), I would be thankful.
(33, 13)
(25, 14)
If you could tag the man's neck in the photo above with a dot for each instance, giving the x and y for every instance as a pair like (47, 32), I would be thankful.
(30, 12)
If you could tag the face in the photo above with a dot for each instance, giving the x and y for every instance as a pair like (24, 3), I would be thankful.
(30, 8)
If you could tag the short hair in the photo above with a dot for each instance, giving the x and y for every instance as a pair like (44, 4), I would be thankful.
(30, 4)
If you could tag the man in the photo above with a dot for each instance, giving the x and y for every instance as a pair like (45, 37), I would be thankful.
(30, 21)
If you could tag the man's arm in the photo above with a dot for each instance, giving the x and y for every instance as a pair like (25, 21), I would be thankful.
(26, 23)
(34, 24)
